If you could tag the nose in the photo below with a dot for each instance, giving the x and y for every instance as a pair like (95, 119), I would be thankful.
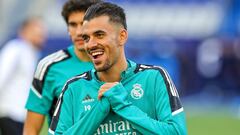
(79, 31)
(91, 43)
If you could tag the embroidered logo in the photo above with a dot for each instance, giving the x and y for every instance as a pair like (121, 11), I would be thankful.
(87, 99)
(137, 91)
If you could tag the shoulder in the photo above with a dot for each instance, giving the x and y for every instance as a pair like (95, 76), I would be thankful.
(45, 63)
(152, 70)
(13, 50)
(13, 46)
(54, 57)
(149, 68)
(74, 80)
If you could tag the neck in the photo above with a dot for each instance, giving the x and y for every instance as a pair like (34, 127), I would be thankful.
(114, 73)
(82, 55)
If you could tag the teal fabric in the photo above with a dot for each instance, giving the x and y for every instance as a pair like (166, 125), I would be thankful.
(55, 78)
(142, 103)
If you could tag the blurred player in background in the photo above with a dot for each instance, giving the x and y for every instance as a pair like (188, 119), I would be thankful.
(18, 60)
(118, 96)
(54, 70)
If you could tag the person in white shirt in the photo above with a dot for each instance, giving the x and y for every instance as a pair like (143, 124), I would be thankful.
(18, 59)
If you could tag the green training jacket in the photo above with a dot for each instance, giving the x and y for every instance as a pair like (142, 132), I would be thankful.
(51, 74)
(144, 102)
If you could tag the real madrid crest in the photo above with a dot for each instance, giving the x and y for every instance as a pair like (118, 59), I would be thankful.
(137, 91)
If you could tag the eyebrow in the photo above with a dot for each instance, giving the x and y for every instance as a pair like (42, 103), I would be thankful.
(99, 32)
(71, 23)
(94, 33)
(74, 22)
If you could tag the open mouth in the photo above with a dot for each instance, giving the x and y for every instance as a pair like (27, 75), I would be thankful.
(96, 53)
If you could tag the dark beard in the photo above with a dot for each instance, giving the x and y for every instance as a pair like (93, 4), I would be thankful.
(106, 66)
(81, 50)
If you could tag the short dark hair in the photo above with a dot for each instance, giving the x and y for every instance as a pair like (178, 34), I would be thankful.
(76, 6)
(114, 12)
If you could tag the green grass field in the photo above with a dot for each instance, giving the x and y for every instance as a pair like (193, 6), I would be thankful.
(213, 124)
(217, 123)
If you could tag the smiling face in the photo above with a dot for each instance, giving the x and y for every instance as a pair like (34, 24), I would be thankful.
(75, 22)
(104, 42)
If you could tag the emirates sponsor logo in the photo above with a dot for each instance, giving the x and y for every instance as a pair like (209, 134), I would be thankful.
(117, 128)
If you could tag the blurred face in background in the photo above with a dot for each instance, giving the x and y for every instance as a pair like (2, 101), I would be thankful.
(75, 21)
(35, 32)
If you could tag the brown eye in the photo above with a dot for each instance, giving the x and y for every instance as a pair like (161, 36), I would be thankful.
(85, 38)
(100, 35)
(73, 25)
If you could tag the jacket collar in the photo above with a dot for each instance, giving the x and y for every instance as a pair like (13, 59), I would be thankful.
(125, 74)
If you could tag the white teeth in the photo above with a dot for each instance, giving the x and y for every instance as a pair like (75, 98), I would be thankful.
(96, 53)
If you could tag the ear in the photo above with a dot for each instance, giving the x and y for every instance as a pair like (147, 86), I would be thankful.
(123, 36)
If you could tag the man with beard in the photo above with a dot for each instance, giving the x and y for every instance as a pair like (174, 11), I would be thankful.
(118, 96)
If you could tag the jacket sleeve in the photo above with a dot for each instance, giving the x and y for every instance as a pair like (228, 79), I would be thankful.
(40, 99)
(87, 124)
(167, 123)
